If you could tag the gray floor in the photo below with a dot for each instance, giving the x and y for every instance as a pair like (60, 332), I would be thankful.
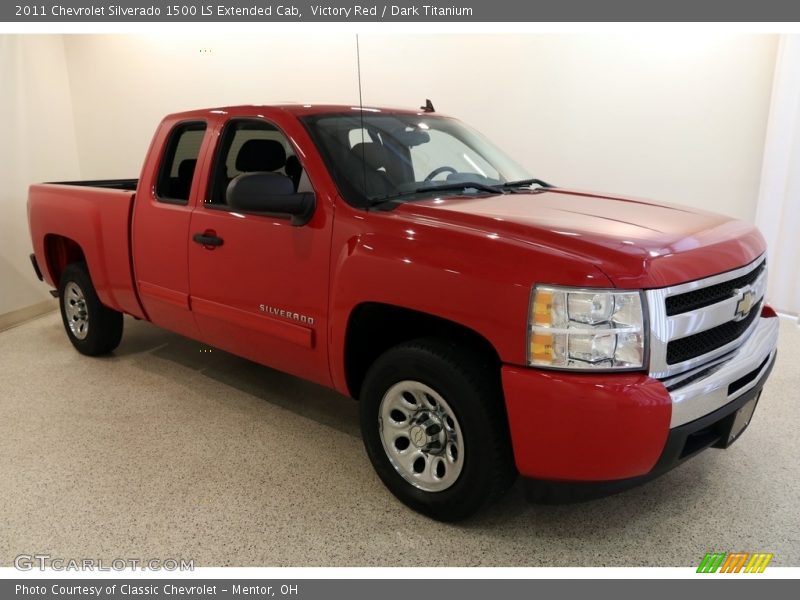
(163, 450)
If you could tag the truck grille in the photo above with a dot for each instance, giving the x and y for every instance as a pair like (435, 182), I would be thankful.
(707, 341)
(695, 323)
(707, 296)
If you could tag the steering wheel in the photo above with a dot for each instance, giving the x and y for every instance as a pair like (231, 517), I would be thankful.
(439, 170)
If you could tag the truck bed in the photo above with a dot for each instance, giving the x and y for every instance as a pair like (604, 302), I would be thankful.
(111, 184)
(95, 216)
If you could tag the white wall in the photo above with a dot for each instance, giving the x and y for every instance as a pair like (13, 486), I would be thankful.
(37, 144)
(123, 85)
(679, 118)
(672, 117)
(778, 214)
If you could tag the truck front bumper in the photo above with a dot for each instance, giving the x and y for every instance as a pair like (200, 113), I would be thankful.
(619, 430)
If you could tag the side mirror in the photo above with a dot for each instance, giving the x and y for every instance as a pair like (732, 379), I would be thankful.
(272, 194)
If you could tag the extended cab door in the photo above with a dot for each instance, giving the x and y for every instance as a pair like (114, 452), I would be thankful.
(162, 213)
(259, 285)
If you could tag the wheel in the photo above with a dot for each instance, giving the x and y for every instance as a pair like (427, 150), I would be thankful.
(434, 427)
(91, 327)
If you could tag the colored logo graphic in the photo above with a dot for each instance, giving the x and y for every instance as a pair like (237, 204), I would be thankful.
(734, 562)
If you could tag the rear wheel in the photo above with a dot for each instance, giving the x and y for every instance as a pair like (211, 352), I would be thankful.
(92, 328)
(434, 427)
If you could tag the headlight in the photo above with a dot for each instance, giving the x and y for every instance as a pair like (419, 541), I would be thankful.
(574, 328)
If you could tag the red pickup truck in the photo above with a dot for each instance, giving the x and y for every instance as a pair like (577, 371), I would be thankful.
(488, 322)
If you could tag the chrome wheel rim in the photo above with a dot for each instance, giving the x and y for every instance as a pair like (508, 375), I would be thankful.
(75, 310)
(421, 436)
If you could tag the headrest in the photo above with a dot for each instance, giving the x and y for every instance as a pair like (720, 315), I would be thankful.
(260, 155)
(375, 155)
(293, 166)
(186, 169)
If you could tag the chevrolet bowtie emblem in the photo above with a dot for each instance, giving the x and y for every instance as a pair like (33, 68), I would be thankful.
(745, 304)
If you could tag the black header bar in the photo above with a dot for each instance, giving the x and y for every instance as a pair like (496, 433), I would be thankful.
(411, 11)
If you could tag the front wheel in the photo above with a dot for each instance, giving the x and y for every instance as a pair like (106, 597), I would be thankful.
(434, 427)
(92, 328)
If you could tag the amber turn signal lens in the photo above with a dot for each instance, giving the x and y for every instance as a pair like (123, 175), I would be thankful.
(542, 308)
(542, 346)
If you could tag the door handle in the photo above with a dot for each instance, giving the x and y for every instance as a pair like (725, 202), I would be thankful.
(208, 239)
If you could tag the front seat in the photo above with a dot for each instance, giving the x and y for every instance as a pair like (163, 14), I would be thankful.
(294, 170)
(183, 185)
(260, 155)
(375, 165)
(256, 155)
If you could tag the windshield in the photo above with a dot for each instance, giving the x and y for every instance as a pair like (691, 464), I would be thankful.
(383, 156)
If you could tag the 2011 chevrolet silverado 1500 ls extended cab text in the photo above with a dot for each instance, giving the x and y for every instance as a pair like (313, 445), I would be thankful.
(489, 323)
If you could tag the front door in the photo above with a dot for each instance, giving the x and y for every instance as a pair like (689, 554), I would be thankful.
(259, 285)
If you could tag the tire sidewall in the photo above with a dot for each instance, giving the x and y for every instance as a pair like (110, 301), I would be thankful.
(105, 327)
(468, 492)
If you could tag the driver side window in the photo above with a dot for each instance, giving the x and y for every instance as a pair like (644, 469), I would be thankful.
(251, 146)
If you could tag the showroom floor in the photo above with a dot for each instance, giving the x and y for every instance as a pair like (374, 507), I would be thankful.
(164, 450)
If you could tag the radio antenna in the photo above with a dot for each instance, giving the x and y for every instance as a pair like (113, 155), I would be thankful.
(361, 111)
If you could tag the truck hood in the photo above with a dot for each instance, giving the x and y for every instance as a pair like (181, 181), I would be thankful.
(636, 243)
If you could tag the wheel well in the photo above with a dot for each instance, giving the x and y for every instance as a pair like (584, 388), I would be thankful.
(373, 328)
(61, 251)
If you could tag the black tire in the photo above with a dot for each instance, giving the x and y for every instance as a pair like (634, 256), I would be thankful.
(99, 331)
(472, 390)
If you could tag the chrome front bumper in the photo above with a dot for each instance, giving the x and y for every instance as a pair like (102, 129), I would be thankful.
(706, 389)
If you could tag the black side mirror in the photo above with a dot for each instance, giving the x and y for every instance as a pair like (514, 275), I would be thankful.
(272, 194)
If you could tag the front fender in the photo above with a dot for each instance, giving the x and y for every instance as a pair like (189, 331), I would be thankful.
(479, 280)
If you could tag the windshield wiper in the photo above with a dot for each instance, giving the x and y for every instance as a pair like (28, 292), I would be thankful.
(460, 185)
(445, 187)
(525, 183)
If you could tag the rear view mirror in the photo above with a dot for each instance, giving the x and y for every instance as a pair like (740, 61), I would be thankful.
(272, 194)
(410, 136)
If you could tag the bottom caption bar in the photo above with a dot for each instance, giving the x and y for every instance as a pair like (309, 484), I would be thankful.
(374, 589)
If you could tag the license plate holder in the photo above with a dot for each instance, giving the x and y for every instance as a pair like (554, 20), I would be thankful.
(741, 420)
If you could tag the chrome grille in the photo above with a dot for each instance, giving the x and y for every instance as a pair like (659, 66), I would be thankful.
(707, 296)
(708, 340)
(694, 323)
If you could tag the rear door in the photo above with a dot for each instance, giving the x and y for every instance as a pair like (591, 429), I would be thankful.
(259, 285)
(161, 220)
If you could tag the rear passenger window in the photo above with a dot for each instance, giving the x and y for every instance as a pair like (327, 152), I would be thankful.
(180, 159)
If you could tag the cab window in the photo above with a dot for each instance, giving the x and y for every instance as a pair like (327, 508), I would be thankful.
(249, 146)
(175, 175)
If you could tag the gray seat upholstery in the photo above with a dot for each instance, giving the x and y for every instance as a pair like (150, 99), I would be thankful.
(183, 184)
(294, 170)
(260, 155)
(376, 166)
